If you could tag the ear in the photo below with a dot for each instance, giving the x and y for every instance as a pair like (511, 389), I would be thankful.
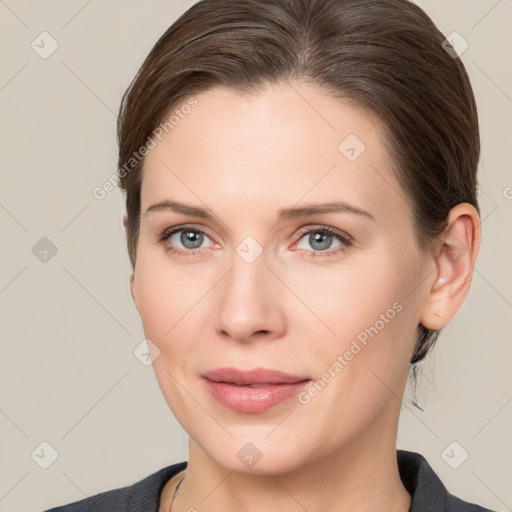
(454, 260)
(132, 287)
(132, 277)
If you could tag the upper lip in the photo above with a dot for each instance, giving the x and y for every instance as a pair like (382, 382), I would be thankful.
(254, 376)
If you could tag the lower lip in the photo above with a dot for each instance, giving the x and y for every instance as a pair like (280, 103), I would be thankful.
(253, 399)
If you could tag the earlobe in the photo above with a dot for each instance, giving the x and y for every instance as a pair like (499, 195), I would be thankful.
(454, 262)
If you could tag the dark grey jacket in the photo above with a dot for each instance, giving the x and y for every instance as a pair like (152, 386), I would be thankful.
(427, 491)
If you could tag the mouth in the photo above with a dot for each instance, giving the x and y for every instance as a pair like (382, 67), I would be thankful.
(256, 377)
(252, 391)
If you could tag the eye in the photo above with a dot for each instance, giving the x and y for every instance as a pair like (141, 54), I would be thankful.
(184, 240)
(321, 240)
(187, 240)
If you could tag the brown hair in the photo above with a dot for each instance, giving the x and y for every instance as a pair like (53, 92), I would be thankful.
(383, 55)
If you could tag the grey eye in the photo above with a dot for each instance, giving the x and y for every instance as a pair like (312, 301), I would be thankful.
(318, 240)
(189, 238)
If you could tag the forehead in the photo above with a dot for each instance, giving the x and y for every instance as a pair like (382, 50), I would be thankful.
(287, 143)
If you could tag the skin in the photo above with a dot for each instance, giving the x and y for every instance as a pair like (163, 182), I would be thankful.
(294, 308)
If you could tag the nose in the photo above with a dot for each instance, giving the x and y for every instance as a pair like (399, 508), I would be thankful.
(250, 302)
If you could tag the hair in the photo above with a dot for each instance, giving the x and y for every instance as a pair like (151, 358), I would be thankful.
(385, 56)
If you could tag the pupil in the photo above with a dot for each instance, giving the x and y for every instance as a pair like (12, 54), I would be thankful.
(317, 239)
(191, 237)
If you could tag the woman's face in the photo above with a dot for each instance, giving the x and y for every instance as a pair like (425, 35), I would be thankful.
(253, 281)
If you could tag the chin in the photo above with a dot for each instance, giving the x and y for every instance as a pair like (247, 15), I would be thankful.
(258, 454)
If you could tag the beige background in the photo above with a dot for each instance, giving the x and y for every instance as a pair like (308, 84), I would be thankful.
(68, 325)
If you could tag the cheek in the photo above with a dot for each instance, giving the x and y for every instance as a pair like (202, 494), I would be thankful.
(349, 299)
(368, 327)
(168, 299)
(166, 296)
(362, 365)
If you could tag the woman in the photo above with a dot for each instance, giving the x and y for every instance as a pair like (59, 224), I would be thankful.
(302, 221)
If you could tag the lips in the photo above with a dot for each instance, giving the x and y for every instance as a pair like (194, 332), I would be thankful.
(257, 376)
(253, 390)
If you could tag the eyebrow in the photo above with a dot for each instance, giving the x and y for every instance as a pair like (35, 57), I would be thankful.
(284, 213)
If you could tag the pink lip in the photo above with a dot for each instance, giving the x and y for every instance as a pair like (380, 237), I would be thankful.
(252, 390)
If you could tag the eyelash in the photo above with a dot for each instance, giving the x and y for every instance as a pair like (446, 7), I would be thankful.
(346, 240)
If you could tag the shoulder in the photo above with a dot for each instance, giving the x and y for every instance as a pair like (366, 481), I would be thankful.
(142, 496)
(427, 491)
